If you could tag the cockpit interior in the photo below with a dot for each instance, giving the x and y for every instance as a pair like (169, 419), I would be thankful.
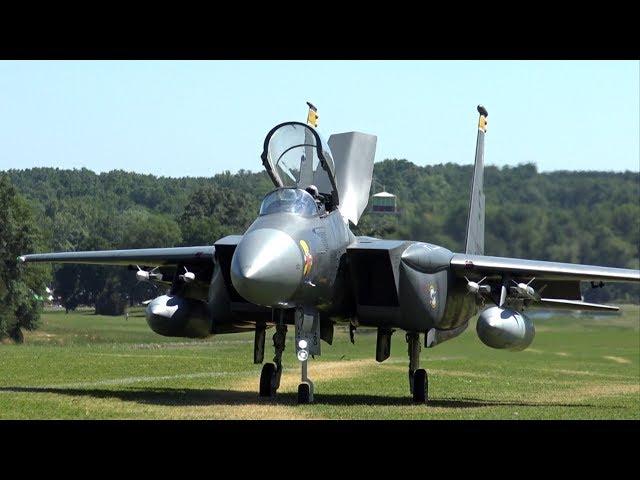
(289, 200)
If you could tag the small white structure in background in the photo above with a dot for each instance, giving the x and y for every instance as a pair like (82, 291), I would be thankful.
(384, 202)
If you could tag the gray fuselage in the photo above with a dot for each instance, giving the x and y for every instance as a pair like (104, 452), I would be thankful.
(286, 260)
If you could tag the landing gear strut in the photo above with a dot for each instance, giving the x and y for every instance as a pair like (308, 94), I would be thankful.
(307, 343)
(258, 343)
(418, 381)
(305, 389)
(271, 372)
(383, 344)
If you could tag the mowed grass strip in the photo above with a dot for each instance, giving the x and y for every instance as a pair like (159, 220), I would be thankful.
(82, 365)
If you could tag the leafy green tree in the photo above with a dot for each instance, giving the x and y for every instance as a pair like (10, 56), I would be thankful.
(110, 301)
(141, 228)
(214, 212)
(21, 290)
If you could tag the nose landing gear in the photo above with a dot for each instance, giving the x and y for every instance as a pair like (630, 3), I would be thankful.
(305, 389)
(307, 343)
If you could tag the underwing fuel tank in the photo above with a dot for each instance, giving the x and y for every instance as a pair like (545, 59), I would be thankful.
(174, 316)
(505, 329)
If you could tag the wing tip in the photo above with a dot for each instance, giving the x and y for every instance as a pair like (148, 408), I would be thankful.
(22, 258)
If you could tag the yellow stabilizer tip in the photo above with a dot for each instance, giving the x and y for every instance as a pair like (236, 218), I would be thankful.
(312, 118)
(482, 124)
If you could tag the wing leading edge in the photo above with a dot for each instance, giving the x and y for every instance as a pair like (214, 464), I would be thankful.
(463, 264)
(141, 256)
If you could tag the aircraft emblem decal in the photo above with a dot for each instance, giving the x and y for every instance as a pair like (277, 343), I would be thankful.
(308, 258)
(433, 294)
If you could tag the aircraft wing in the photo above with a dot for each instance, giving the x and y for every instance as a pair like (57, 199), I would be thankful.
(142, 256)
(496, 267)
(557, 285)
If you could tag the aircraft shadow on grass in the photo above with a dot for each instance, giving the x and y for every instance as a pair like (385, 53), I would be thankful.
(197, 397)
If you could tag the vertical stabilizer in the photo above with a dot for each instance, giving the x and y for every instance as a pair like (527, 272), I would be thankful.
(474, 243)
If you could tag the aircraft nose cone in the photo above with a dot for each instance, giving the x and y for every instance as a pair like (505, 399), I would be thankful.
(266, 268)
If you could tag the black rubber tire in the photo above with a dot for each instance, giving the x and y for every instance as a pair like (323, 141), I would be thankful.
(276, 378)
(304, 393)
(420, 386)
(266, 380)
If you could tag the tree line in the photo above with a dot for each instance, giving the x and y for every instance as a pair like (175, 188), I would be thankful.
(579, 217)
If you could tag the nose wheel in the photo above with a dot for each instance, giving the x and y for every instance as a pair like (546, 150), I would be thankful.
(305, 393)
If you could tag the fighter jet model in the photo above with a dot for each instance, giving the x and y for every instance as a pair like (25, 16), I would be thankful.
(300, 265)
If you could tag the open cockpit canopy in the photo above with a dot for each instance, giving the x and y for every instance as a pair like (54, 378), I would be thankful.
(295, 155)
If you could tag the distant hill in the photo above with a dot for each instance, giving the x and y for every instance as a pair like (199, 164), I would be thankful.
(582, 217)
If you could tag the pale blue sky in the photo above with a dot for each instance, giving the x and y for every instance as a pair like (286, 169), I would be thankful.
(198, 118)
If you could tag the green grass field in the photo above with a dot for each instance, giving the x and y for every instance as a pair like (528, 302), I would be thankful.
(87, 366)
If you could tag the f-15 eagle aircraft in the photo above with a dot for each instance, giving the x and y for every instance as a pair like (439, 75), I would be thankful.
(299, 264)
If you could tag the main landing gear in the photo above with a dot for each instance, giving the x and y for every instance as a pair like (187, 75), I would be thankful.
(418, 381)
(272, 372)
(307, 343)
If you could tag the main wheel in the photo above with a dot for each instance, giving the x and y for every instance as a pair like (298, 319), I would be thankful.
(420, 386)
(266, 380)
(276, 378)
(304, 393)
